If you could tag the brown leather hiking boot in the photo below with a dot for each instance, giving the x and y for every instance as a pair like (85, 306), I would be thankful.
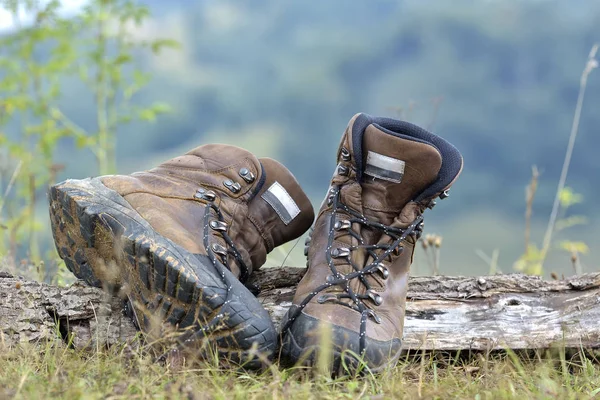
(181, 239)
(363, 240)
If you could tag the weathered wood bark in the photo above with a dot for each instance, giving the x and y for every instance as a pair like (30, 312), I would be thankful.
(32, 311)
(443, 313)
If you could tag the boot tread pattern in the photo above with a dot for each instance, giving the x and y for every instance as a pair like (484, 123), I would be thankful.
(104, 242)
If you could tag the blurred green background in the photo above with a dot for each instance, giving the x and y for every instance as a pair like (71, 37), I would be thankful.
(499, 79)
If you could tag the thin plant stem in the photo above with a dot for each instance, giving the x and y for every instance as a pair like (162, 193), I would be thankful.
(289, 252)
(430, 259)
(103, 155)
(68, 123)
(436, 266)
(13, 178)
(31, 216)
(529, 196)
(436, 108)
(411, 107)
(590, 65)
(492, 261)
(111, 100)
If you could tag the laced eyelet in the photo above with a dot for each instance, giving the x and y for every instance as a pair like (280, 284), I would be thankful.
(234, 187)
(218, 226)
(375, 298)
(431, 204)
(385, 273)
(332, 192)
(342, 224)
(398, 250)
(331, 278)
(215, 249)
(218, 249)
(418, 232)
(345, 154)
(373, 315)
(204, 194)
(340, 252)
(368, 300)
(247, 175)
(343, 170)
(326, 297)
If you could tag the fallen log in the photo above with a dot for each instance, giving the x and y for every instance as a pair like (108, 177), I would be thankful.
(443, 313)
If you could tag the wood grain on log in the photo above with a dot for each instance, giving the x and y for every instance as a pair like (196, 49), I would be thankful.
(443, 313)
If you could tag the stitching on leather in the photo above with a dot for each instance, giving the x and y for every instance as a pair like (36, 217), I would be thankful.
(154, 194)
(267, 240)
(208, 185)
(383, 209)
(183, 167)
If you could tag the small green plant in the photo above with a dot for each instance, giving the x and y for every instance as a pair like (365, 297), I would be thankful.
(532, 261)
(32, 61)
(567, 199)
(109, 72)
(35, 59)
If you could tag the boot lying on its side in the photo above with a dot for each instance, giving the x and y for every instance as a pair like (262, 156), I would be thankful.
(363, 240)
(180, 240)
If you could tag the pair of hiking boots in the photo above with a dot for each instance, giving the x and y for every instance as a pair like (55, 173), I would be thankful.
(179, 242)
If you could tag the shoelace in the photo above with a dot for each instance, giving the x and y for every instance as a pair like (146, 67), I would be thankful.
(337, 279)
(214, 250)
(218, 225)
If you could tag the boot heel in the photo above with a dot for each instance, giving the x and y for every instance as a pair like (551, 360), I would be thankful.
(77, 224)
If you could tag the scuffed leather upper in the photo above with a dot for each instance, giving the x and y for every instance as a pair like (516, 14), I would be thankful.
(378, 200)
(168, 198)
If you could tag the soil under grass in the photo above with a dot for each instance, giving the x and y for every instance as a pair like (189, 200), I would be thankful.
(49, 371)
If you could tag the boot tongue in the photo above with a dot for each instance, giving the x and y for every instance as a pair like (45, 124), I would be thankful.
(392, 168)
(396, 168)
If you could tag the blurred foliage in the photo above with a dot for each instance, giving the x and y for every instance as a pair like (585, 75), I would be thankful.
(532, 261)
(498, 79)
(506, 72)
(35, 59)
(30, 86)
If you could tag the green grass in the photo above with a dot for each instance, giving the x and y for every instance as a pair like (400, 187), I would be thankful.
(51, 371)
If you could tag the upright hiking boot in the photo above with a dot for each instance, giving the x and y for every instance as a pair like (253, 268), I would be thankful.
(363, 241)
(180, 240)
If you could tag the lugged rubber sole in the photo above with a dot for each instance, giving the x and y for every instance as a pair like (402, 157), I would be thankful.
(105, 242)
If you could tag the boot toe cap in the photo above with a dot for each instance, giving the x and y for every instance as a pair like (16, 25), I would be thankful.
(302, 344)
